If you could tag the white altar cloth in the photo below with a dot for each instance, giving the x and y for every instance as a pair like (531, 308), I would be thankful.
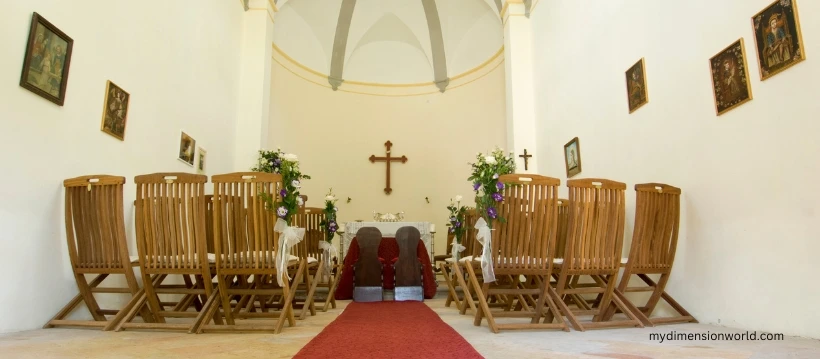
(388, 229)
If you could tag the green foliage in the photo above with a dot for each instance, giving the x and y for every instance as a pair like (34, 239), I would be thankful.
(286, 202)
(486, 171)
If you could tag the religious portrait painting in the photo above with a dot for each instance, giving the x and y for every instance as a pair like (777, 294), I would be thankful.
(187, 146)
(200, 167)
(572, 157)
(637, 95)
(730, 78)
(115, 111)
(778, 39)
(47, 59)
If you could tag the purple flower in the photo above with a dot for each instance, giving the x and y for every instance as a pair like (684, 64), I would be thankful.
(452, 230)
(497, 197)
(283, 192)
(332, 224)
(499, 185)
(458, 224)
(282, 212)
(476, 186)
(332, 229)
(492, 213)
(277, 162)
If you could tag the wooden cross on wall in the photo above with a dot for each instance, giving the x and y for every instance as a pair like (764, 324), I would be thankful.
(387, 159)
(526, 158)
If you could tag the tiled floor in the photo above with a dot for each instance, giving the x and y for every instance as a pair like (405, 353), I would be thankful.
(613, 343)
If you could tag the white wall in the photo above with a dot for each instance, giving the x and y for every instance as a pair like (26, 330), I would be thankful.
(335, 132)
(177, 59)
(749, 235)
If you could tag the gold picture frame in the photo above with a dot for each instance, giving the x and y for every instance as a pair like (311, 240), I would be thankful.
(572, 157)
(47, 60)
(115, 111)
(637, 93)
(201, 162)
(729, 72)
(187, 147)
(778, 38)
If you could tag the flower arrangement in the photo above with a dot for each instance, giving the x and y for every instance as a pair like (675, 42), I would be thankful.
(286, 164)
(486, 171)
(329, 223)
(456, 220)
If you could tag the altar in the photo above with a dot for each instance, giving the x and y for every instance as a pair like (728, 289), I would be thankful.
(388, 229)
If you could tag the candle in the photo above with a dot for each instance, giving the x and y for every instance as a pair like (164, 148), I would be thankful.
(341, 228)
(432, 228)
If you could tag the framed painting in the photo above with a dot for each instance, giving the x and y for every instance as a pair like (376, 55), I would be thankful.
(636, 91)
(115, 111)
(187, 145)
(572, 157)
(730, 78)
(200, 167)
(778, 38)
(47, 59)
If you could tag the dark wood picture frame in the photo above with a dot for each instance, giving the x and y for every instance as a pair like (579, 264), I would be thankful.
(115, 111)
(572, 157)
(637, 94)
(45, 66)
(730, 77)
(778, 38)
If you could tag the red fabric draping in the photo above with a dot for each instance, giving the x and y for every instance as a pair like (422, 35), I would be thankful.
(388, 252)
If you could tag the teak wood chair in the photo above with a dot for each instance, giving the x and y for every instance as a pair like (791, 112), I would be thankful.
(654, 242)
(246, 247)
(171, 240)
(522, 245)
(454, 274)
(95, 232)
(308, 249)
(593, 248)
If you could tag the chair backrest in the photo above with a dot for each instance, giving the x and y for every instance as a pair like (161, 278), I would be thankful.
(367, 270)
(526, 240)
(563, 226)
(408, 267)
(657, 218)
(244, 233)
(170, 221)
(310, 219)
(596, 225)
(94, 222)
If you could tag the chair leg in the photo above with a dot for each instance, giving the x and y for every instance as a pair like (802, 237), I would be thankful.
(74, 302)
(331, 291)
(458, 269)
(312, 290)
(226, 299)
(448, 279)
(287, 303)
(482, 300)
(208, 312)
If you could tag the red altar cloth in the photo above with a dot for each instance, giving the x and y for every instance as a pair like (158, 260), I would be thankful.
(388, 251)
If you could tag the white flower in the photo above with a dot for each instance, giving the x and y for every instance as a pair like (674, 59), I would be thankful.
(490, 160)
(330, 198)
(335, 209)
(290, 157)
(295, 184)
(458, 198)
(300, 201)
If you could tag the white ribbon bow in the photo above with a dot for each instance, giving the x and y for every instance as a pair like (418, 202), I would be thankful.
(457, 248)
(289, 236)
(485, 237)
(329, 252)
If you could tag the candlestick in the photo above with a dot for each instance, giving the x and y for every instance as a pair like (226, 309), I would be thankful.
(432, 228)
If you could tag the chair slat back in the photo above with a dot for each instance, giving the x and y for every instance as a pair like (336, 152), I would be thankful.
(563, 226)
(471, 246)
(209, 222)
(657, 218)
(527, 238)
(244, 235)
(596, 225)
(95, 224)
(310, 220)
(170, 221)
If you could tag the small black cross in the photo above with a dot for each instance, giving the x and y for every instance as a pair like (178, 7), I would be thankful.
(526, 158)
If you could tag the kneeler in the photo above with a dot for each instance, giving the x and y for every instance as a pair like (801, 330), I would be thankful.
(367, 272)
(408, 269)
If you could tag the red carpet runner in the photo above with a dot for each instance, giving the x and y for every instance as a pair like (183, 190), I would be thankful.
(388, 330)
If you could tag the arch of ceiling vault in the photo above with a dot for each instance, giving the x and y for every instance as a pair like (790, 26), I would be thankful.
(335, 76)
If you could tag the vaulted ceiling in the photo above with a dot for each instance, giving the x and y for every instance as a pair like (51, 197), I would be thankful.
(389, 41)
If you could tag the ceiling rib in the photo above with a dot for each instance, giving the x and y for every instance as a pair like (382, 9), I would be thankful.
(436, 44)
(337, 59)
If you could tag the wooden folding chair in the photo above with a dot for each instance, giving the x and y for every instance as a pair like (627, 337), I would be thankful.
(246, 246)
(308, 249)
(95, 232)
(522, 246)
(171, 240)
(454, 274)
(654, 241)
(593, 248)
